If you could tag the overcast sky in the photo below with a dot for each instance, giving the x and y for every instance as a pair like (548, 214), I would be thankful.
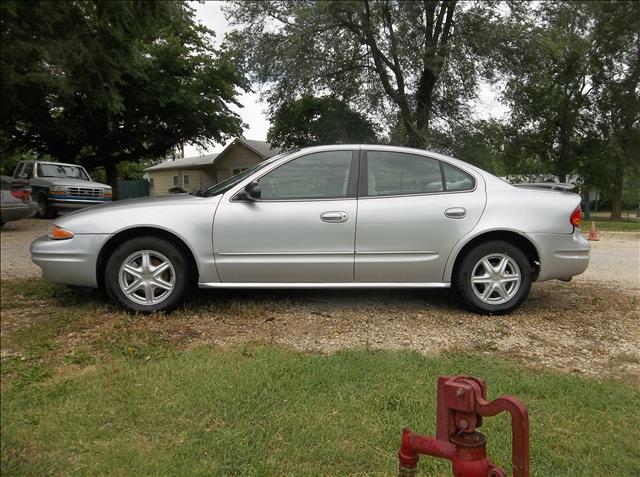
(210, 14)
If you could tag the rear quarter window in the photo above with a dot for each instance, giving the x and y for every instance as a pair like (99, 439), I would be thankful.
(457, 180)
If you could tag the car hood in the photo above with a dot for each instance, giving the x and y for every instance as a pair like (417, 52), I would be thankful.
(147, 211)
(68, 181)
(137, 203)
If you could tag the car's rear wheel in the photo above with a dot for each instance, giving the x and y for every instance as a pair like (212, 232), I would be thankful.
(147, 274)
(494, 278)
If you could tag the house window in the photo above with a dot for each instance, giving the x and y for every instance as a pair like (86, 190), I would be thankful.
(238, 170)
(176, 181)
(185, 179)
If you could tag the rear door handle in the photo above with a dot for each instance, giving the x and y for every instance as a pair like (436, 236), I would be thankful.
(334, 216)
(455, 213)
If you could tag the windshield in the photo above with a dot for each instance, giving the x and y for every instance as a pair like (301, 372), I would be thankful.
(225, 185)
(60, 170)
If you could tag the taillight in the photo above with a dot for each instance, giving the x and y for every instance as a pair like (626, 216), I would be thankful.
(22, 194)
(575, 217)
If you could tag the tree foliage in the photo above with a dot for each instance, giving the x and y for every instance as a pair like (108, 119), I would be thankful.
(311, 121)
(571, 81)
(615, 67)
(105, 82)
(547, 72)
(416, 61)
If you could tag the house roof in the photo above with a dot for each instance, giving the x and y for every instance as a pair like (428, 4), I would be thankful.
(262, 148)
(184, 163)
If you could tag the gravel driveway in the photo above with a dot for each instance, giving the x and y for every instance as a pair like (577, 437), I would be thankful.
(16, 237)
(590, 326)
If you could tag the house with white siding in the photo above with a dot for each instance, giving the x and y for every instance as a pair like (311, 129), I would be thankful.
(193, 173)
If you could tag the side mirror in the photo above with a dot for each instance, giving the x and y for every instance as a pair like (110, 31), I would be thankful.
(250, 193)
(253, 190)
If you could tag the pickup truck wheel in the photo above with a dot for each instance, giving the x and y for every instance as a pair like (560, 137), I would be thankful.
(44, 209)
(147, 274)
(494, 278)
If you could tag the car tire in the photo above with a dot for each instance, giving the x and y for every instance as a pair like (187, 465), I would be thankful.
(147, 274)
(44, 209)
(494, 278)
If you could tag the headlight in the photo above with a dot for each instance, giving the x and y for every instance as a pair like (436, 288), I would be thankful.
(107, 193)
(58, 233)
(58, 190)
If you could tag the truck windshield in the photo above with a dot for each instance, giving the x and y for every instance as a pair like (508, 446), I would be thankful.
(225, 185)
(62, 170)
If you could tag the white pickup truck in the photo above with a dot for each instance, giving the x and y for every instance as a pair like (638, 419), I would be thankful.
(58, 187)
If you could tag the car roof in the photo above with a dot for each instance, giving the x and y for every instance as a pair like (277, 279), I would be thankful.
(52, 162)
(403, 149)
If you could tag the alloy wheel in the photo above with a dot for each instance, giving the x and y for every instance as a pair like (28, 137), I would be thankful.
(495, 278)
(147, 277)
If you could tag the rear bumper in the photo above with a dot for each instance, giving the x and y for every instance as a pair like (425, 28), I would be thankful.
(562, 256)
(18, 211)
(71, 262)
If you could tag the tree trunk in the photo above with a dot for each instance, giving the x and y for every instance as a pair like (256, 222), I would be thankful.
(112, 178)
(616, 198)
(424, 99)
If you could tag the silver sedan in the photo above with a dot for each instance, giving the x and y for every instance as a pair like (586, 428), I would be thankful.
(327, 217)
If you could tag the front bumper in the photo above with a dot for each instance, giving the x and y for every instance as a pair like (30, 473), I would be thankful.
(74, 204)
(72, 261)
(562, 256)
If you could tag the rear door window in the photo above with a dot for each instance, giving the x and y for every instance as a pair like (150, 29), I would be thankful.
(396, 173)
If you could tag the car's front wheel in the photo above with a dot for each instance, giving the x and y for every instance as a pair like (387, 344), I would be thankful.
(147, 274)
(44, 208)
(494, 278)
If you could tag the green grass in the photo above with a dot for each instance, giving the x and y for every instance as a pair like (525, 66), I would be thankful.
(604, 223)
(256, 410)
(88, 389)
(608, 226)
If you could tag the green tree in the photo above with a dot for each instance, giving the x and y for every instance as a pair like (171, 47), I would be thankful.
(105, 82)
(311, 121)
(571, 80)
(546, 66)
(615, 75)
(416, 61)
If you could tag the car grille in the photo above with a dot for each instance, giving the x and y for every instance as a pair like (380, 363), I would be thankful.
(88, 192)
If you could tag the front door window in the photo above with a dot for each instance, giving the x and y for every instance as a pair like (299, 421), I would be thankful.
(323, 175)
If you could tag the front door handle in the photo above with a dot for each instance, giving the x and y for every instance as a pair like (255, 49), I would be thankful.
(334, 216)
(455, 213)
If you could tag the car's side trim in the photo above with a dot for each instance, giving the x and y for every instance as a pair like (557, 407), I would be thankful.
(328, 285)
(384, 252)
(400, 252)
(276, 254)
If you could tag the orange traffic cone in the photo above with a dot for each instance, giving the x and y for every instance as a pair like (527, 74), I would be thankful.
(593, 235)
